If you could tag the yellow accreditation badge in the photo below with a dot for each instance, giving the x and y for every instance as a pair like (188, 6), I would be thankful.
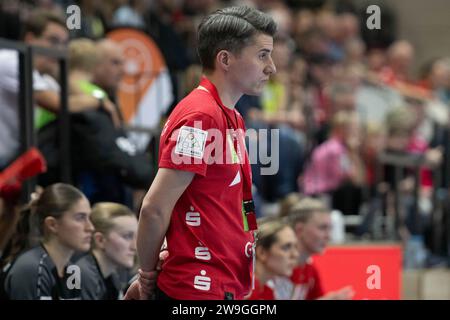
(234, 155)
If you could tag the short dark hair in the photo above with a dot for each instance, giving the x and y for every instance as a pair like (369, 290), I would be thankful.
(230, 29)
(38, 21)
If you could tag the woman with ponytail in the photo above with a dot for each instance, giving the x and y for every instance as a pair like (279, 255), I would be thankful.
(61, 214)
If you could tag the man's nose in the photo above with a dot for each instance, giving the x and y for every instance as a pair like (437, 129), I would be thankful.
(271, 68)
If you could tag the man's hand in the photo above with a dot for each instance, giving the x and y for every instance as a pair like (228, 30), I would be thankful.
(144, 287)
(147, 279)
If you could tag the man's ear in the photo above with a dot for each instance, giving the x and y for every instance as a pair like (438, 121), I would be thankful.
(99, 240)
(51, 224)
(223, 59)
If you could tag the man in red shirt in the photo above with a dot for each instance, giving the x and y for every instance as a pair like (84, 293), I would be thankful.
(200, 199)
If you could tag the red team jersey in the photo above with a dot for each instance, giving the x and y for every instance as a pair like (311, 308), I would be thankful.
(306, 280)
(304, 284)
(210, 251)
(263, 292)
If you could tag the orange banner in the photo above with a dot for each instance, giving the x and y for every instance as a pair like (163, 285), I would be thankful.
(143, 64)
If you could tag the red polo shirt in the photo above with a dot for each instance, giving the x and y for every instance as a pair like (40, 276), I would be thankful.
(307, 284)
(210, 252)
(262, 291)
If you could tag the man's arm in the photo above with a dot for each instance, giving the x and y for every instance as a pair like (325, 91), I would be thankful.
(158, 203)
(79, 102)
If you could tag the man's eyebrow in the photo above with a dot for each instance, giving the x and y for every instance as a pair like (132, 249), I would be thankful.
(265, 50)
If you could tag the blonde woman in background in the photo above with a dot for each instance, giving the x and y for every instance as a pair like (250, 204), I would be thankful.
(311, 221)
(276, 255)
(113, 250)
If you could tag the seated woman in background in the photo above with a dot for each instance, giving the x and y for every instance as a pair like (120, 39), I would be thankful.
(336, 170)
(113, 248)
(44, 272)
(276, 255)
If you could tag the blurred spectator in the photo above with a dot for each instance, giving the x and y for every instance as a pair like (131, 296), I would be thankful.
(44, 29)
(336, 161)
(330, 25)
(42, 273)
(84, 58)
(376, 59)
(403, 139)
(109, 70)
(400, 58)
(340, 97)
(436, 77)
(113, 248)
(106, 161)
(312, 42)
(348, 26)
(276, 255)
(303, 21)
(354, 50)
